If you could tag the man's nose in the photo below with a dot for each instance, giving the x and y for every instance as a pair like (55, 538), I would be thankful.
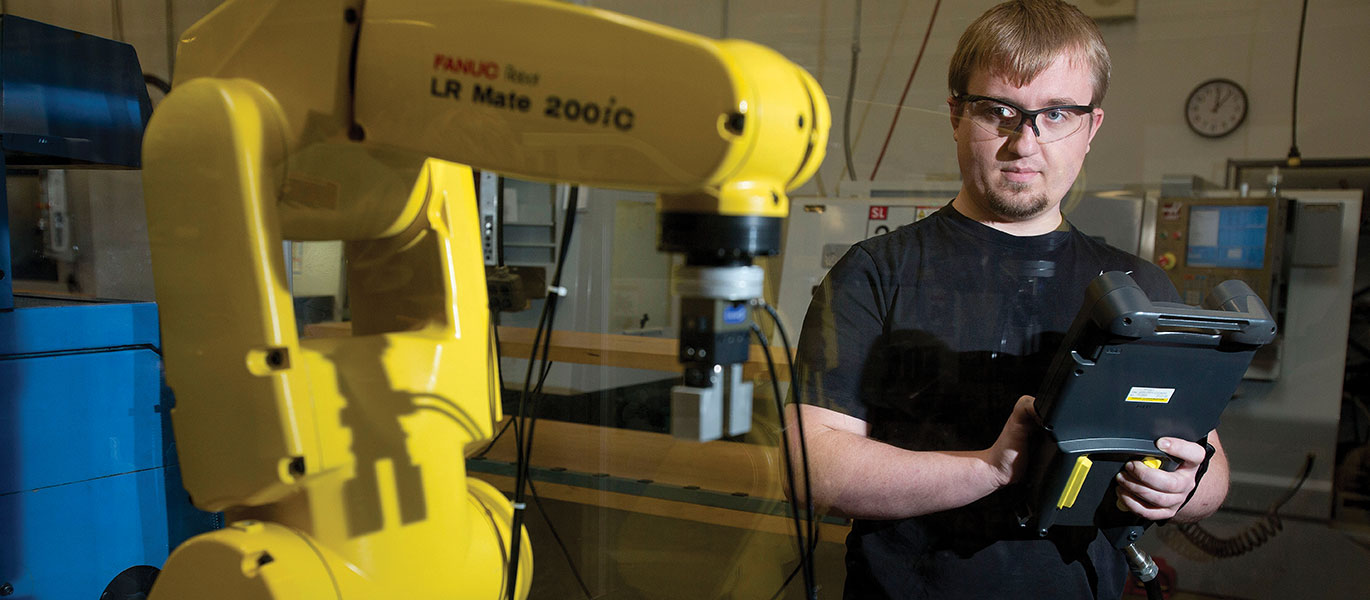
(1026, 123)
(1024, 141)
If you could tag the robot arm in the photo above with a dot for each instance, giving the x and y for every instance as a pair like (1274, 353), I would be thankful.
(722, 130)
(544, 91)
(339, 460)
(532, 89)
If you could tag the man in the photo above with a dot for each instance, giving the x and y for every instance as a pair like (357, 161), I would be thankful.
(919, 347)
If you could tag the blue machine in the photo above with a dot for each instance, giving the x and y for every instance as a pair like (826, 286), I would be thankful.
(91, 500)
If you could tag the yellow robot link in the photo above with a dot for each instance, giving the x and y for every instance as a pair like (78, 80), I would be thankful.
(372, 428)
(339, 461)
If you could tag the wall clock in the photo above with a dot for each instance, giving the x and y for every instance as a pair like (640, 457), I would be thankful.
(1215, 108)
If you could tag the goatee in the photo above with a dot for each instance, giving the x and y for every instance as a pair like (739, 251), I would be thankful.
(1016, 207)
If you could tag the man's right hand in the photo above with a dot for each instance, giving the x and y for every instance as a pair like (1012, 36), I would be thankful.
(1009, 454)
(860, 477)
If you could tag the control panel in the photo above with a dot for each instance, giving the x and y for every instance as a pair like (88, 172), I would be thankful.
(1201, 242)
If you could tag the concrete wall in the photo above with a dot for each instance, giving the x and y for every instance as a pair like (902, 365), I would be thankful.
(1159, 57)
(149, 25)
(107, 206)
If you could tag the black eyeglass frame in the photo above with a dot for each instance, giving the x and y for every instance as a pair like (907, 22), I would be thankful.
(1026, 116)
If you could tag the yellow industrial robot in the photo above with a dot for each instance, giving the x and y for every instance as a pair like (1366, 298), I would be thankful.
(339, 462)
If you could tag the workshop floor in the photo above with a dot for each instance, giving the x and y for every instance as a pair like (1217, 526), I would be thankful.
(666, 550)
(657, 543)
(628, 555)
(623, 555)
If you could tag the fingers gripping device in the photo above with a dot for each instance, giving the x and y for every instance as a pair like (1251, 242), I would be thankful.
(339, 461)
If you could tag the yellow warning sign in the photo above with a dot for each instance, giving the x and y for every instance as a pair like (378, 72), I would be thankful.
(1150, 394)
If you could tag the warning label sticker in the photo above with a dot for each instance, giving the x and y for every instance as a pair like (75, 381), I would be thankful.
(1150, 394)
(884, 219)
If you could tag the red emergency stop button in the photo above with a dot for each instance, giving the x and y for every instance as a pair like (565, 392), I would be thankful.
(1166, 261)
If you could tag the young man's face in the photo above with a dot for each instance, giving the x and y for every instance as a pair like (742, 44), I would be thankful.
(1017, 178)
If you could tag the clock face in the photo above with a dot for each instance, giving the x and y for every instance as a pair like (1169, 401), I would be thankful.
(1215, 108)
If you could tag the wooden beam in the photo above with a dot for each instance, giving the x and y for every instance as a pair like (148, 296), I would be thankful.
(609, 350)
(721, 466)
(827, 532)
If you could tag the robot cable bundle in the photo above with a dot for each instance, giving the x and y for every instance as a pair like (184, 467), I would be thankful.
(806, 533)
(525, 422)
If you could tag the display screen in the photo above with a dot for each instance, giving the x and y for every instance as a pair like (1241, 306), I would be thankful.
(1227, 236)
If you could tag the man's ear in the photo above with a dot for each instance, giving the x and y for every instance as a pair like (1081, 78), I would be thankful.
(1098, 120)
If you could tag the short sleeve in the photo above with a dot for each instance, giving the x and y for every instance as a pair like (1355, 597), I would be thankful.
(845, 319)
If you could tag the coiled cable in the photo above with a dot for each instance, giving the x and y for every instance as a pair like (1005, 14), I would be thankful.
(1254, 536)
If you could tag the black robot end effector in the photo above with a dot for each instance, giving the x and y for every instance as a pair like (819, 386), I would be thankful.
(712, 239)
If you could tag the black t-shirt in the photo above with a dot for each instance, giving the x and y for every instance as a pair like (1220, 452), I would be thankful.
(930, 334)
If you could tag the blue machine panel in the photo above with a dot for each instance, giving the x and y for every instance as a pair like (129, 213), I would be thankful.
(80, 416)
(88, 480)
(67, 98)
(6, 271)
(69, 541)
(44, 327)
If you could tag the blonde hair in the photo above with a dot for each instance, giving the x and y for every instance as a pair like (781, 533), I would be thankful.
(1021, 38)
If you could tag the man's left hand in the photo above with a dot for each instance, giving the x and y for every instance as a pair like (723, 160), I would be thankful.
(1156, 494)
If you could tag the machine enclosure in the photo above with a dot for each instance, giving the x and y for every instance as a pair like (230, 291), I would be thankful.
(89, 484)
(1130, 372)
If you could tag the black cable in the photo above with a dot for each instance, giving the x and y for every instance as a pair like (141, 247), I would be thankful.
(353, 17)
(851, 89)
(521, 462)
(564, 552)
(493, 372)
(1294, 157)
(788, 579)
(1254, 536)
(494, 312)
(516, 421)
(804, 546)
(526, 438)
(500, 434)
(801, 539)
(1153, 590)
(157, 82)
(523, 434)
(519, 426)
(499, 221)
(494, 382)
(803, 443)
(537, 395)
(798, 421)
(542, 377)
